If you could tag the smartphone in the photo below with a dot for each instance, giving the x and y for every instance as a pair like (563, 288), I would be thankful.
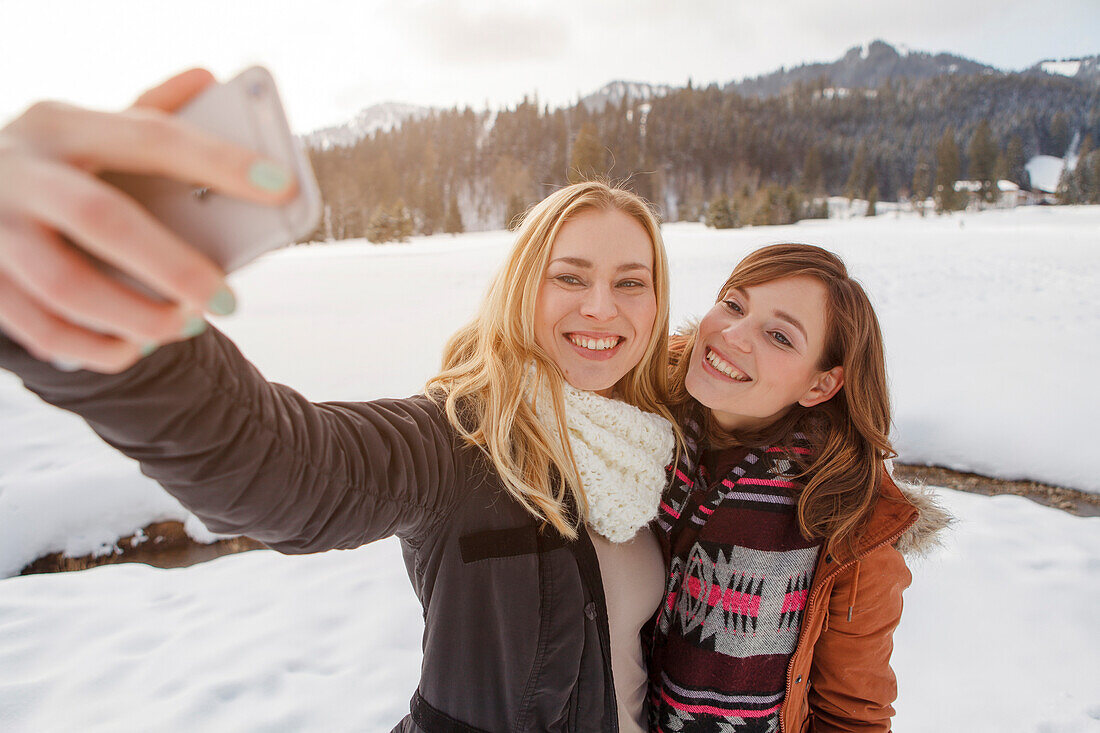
(245, 110)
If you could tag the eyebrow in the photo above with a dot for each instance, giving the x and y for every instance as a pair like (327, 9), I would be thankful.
(782, 315)
(579, 262)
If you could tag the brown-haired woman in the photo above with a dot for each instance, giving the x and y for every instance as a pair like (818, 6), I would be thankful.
(784, 532)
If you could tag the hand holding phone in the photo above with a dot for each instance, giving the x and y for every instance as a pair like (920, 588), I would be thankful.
(245, 111)
(54, 213)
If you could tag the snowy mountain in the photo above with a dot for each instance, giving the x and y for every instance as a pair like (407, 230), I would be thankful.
(385, 116)
(616, 91)
(863, 66)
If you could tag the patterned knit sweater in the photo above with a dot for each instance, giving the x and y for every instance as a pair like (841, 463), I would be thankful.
(739, 575)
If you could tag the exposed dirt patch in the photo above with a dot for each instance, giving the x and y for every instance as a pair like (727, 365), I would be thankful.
(161, 544)
(1081, 503)
(165, 545)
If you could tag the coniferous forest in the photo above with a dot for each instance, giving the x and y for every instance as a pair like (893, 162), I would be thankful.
(710, 153)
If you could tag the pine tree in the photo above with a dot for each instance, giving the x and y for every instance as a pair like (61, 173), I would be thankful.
(589, 159)
(813, 171)
(431, 208)
(1059, 134)
(1014, 161)
(381, 227)
(452, 222)
(922, 181)
(792, 202)
(872, 200)
(403, 224)
(1093, 164)
(719, 214)
(1086, 186)
(855, 187)
(1067, 190)
(983, 159)
(1000, 168)
(947, 172)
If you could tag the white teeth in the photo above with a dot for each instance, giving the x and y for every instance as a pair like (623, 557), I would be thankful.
(725, 367)
(595, 344)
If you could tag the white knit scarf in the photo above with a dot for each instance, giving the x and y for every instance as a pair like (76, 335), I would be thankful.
(621, 454)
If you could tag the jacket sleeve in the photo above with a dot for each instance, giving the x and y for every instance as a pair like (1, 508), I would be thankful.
(251, 457)
(852, 686)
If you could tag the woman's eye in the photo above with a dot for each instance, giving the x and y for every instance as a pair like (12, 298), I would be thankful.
(778, 336)
(568, 279)
(733, 305)
(631, 284)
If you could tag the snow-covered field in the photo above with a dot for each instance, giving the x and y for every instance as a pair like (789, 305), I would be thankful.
(999, 635)
(993, 333)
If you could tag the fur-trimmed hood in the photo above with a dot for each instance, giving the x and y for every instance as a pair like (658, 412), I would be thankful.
(927, 533)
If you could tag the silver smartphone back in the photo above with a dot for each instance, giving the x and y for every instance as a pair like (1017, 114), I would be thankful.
(246, 111)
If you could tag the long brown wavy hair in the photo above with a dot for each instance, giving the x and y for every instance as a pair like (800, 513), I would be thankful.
(485, 386)
(849, 433)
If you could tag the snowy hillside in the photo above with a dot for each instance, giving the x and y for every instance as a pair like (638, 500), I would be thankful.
(615, 92)
(1083, 68)
(376, 118)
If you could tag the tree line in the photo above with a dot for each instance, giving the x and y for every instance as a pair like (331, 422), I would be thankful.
(705, 153)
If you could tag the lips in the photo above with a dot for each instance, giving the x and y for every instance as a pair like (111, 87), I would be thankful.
(594, 346)
(717, 364)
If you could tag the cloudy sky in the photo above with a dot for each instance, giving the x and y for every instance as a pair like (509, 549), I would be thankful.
(334, 57)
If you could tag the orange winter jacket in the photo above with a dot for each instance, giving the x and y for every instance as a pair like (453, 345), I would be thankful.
(839, 677)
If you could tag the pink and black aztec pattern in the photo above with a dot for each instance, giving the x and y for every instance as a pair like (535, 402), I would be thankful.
(738, 581)
(682, 481)
(737, 601)
(702, 710)
(794, 602)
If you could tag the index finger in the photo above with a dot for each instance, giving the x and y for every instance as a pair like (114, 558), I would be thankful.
(150, 142)
(171, 94)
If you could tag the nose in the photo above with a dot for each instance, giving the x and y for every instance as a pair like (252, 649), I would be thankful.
(599, 303)
(738, 335)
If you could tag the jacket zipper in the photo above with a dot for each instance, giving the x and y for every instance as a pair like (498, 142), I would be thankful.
(593, 577)
(802, 632)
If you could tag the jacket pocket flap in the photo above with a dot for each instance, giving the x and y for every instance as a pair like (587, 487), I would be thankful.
(511, 542)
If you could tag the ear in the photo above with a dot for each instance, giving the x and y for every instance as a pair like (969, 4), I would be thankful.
(825, 385)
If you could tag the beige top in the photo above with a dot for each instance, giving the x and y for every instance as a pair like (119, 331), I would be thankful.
(633, 583)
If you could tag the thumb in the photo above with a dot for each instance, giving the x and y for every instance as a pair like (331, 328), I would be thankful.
(172, 94)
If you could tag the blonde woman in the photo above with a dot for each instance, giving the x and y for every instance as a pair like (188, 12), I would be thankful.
(533, 461)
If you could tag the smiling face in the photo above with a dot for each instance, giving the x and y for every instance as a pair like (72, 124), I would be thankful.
(758, 352)
(596, 305)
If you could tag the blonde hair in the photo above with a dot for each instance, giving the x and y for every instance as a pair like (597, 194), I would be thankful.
(487, 382)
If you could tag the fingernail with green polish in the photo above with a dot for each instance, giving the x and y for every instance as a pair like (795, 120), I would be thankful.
(193, 327)
(268, 175)
(222, 303)
(149, 348)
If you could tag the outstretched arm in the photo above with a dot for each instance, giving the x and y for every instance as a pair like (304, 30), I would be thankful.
(249, 456)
